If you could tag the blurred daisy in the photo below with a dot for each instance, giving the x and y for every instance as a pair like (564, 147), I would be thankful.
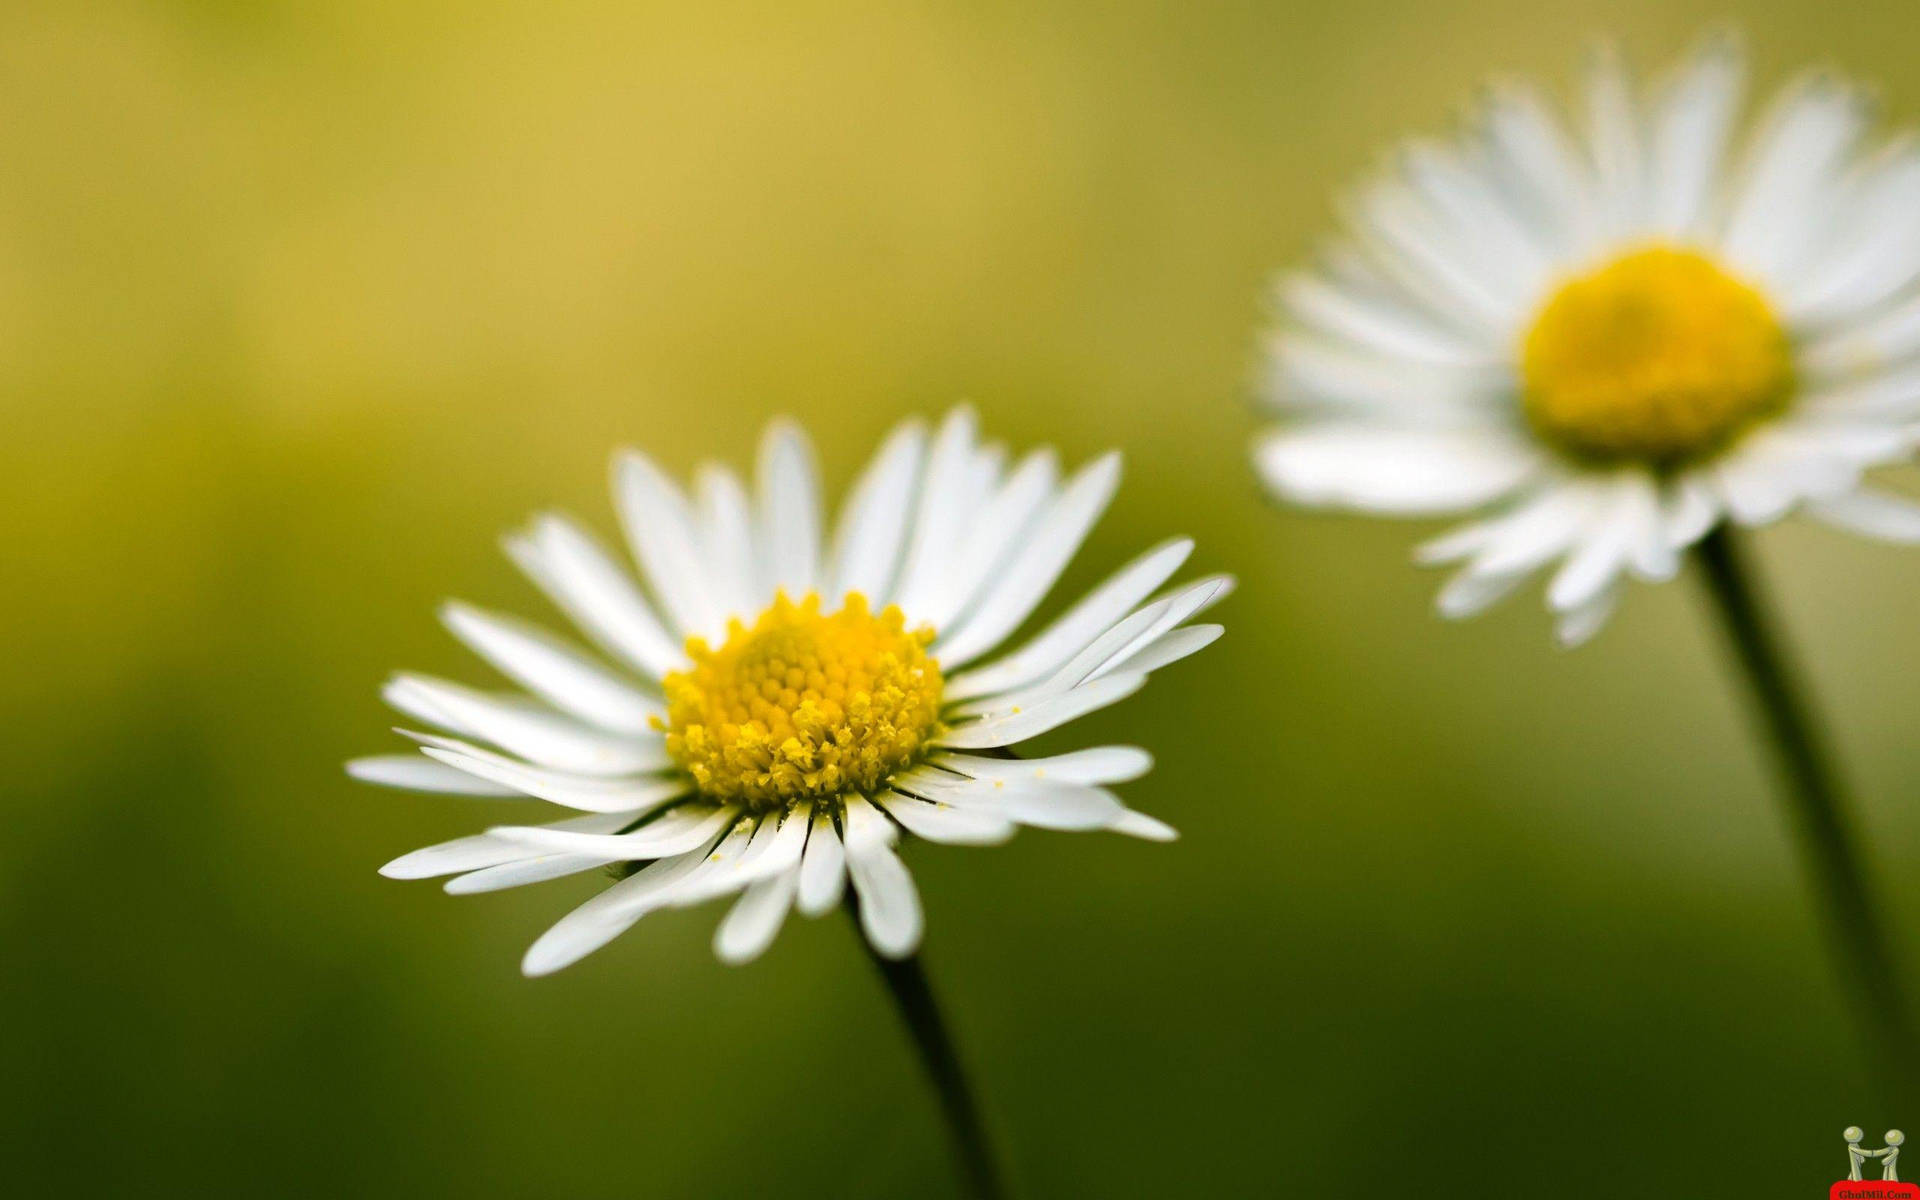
(775, 709)
(1606, 344)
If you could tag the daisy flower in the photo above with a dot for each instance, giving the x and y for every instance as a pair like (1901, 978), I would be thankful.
(774, 711)
(1604, 344)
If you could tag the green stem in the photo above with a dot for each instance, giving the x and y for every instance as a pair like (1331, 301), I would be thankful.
(1816, 810)
(906, 981)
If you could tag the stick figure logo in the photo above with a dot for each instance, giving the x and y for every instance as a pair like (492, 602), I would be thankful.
(1857, 1155)
(1857, 1185)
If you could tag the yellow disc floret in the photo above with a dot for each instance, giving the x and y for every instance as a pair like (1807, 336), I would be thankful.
(803, 705)
(1659, 356)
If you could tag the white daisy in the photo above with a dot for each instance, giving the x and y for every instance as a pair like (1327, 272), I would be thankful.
(743, 735)
(1604, 345)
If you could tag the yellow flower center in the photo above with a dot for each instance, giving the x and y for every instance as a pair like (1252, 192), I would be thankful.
(803, 705)
(1658, 356)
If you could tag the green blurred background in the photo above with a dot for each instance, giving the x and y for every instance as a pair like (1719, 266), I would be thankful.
(302, 304)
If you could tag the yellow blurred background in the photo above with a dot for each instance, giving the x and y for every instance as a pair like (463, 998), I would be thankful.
(302, 304)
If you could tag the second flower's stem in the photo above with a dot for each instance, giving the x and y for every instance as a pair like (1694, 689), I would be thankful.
(1816, 809)
(907, 983)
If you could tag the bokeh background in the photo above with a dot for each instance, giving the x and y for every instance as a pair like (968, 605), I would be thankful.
(301, 304)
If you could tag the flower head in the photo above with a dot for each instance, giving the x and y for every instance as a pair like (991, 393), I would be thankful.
(1603, 344)
(775, 710)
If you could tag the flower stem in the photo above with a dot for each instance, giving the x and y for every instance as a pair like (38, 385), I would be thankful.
(1815, 802)
(906, 981)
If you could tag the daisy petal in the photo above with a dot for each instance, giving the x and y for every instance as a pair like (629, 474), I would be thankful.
(661, 529)
(1393, 470)
(1873, 514)
(873, 525)
(1579, 625)
(946, 499)
(486, 850)
(790, 509)
(726, 534)
(754, 920)
(1038, 564)
(1140, 825)
(1077, 628)
(519, 874)
(608, 915)
(823, 868)
(889, 906)
(560, 674)
(1691, 133)
(1099, 764)
(676, 832)
(1001, 526)
(589, 793)
(417, 774)
(1018, 726)
(538, 735)
(580, 577)
(937, 822)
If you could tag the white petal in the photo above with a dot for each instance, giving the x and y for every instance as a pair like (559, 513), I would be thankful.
(1530, 153)
(1036, 566)
(1105, 653)
(774, 849)
(994, 534)
(823, 868)
(1075, 629)
(946, 502)
(937, 822)
(1423, 257)
(608, 915)
(485, 850)
(1402, 471)
(790, 509)
(1140, 825)
(1857, 348)
(1763, 477)
(865, 827)
(1797, 154)
(755, 919)
(1875, 251)
(1322, 381)
(1470, 593)
(1096, 765)
(873, 525)
(1374, 322)
(1171, 647)
(1537, 531)
(1627, 518)
(1691, 510)
(418, 774)
(1016, 727)
(567, 564)
(519, 874)
(674, 832)
(588, 793)
(1042, 803)
(727, 543)
(1690, 135)
(889, 905)
(1582, 623)
(558, 673)
(1111, 651)
(1874, 514)
(661, 530)
(1615, 138)
(1469, 207)
(521, 728)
